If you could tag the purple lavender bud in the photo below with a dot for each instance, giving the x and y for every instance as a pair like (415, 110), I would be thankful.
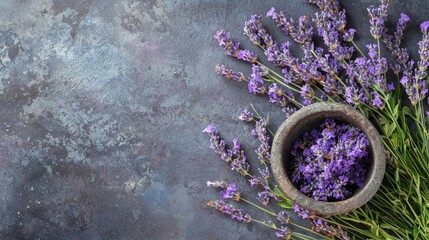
(247, 56)
(394, 42)
(255, 181)
(263, 197)
(424, 27)
(229, 73)
(254, 29)
(246, 116)
(349, 35)
(224, 40)
(288, 111)
(277, 95)
(376, 101)
(261, 132)
(210, 129)
(234, 213)
(373, 51)
(284, 233)
(307, 94)
(256, 83)
(283, 217)
(230, 192)
(272, 13)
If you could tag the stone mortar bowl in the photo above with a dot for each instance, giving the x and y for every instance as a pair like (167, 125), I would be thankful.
(309, 118)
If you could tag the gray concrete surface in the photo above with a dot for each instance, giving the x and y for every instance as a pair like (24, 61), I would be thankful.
(102, 104)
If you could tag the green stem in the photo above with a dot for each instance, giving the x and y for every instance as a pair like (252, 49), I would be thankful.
(357, 48)
(259, 207)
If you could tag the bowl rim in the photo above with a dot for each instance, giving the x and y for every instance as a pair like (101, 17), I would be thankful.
(344, 113)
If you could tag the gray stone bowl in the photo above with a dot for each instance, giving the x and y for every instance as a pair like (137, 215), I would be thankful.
(309, 118)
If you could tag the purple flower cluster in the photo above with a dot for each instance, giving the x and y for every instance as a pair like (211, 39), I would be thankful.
(284, 233)
(328, 164)
(233, 48)
(246, 116)
(301, 32)
(414, 79)
(229, 73)
(228, 209)
(394, 42)
(235, 156)
(260, 131)
(256, 83)
(254, 29)
(229, 191)
(378, 15)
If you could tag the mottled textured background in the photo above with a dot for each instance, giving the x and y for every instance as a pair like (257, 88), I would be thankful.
(102, 104)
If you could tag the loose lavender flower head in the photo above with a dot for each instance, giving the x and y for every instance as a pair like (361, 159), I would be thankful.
(229, 73)
(234, 213)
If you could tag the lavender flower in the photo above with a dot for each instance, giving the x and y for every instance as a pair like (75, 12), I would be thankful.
(400, 27)
(216, 143)
(301, 32)
(307, 94)
(229, 73)
(278, 96)
(415, 84)
(284, 233)
(230, 192)
(377, 18)
(283, 217)
(377, 102)
(261, 132)
(329, 163)
(247, 56)
(256, 82)
(349, 35)
(233, 48)
(288, 111)
(254, 29)
(246, 116)
(235, 156)
(234, 213)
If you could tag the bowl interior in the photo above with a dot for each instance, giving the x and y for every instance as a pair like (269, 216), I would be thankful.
(314, 122)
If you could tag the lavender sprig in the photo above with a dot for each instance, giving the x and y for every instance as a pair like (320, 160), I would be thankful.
(235, 213)
(235, 156)
(229, 73)
(233, 48)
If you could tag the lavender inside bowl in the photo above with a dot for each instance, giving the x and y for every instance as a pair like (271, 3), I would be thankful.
(308, 118)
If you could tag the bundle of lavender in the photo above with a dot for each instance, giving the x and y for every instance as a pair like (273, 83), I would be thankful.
(338, 72)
